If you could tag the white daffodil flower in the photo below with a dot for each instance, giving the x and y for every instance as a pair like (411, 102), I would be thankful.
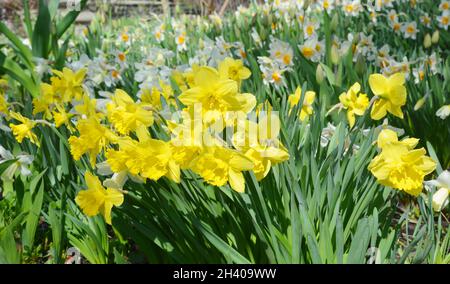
(21, 165)
(442, 184)
(443, 112)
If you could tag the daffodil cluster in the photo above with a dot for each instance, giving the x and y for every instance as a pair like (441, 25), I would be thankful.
(114, 132)
(187, 108)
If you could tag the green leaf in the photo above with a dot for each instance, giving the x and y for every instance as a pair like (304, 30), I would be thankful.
(228, 251)
(8, 248)
(53, 8)
(27, 18)
(23, 50)
(360, 243)
(68, 20)
(33, 219)
(5, 165)
(329, 74)
(433, 155)
(8, 66)
(41, 33)
(119, 258)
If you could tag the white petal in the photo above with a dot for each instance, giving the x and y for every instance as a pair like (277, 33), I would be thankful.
(440, 199)
(5, 154)
(24, 171)
(25, 159)
(103, 169)
(444, 179)
(117, 181)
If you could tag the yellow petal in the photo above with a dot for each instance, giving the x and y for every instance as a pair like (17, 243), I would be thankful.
(413, 156)
(395, 110)
(92, 181)
(248, 102)
(79, 76)
(386, 136)
(114, 196)
(105, 210)
(378, 168)
(398, 95)
(236, 180)
(260, 175)
(295, 98)
(192, 96)
(351, 118)
(90, 201)
(410, 142)
(276, 155)
(205, 76)
(397, 79)
(355, 88)
(122, 98)
(309, 98)
(241, 162)
(378, 84)
(227, 89)
(173, 172)
(379, 109)
(244, 73)
(427, 165)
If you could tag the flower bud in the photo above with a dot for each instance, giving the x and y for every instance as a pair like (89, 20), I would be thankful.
(435, 37)
(420, 103)
(427, 41)
(319, 74)
(335, 55)
(334, 22)
(360, 65)
(440, 199)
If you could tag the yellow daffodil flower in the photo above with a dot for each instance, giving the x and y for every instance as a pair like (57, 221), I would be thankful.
(88, 109)
(23, 130)
(96, 199)
(387, 136)
(126, 115)
(265, 150)
(152, 97)
(183, 143)
(68, 85)
(216, 95)
(399, 165)
(167, 93)
(93, 138)
(43, 103)
(355, 105)
(264, 157)
(61, 117)
(233, 69)
(148, 158)
(219, 165)
(307, 108)
(189, 76)
(391, 94)
(180, 80)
